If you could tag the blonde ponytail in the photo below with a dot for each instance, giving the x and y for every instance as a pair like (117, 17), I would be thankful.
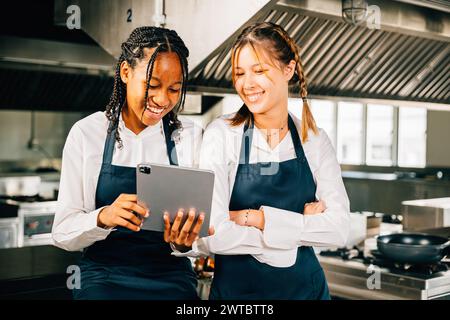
(308, 122)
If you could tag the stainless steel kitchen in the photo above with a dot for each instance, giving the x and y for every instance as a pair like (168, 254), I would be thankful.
(374, 187)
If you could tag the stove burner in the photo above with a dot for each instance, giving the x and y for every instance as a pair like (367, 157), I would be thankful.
(376, 258)
(344, 253)
(425, 269)
(34, 198)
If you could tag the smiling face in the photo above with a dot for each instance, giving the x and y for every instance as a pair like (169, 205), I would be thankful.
(261, 82)
(164, 90)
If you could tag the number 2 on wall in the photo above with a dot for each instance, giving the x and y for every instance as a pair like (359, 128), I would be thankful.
(129, 13)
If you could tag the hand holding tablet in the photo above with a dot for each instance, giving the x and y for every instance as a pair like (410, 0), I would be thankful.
(165, 189)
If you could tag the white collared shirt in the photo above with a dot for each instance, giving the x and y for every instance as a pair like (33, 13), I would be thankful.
(284, 230)
(75, 224)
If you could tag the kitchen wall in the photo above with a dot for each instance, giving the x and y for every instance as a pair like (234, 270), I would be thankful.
(51, 129)
(438, 135)
(229, 104)
(438, 127)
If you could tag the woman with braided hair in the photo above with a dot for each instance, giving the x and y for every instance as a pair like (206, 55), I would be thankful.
(97, 204)
(278, 186)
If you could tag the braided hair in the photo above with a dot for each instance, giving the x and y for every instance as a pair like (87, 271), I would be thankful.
(163, 40)
(284, 49)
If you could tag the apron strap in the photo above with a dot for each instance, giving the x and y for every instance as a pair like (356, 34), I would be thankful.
(246, 144)
(111, 140)
(170, 143)
(296, 139)
(109, 144)
(247, 137)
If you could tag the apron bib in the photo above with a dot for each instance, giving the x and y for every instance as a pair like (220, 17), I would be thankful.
(292, 185)
(128, 264)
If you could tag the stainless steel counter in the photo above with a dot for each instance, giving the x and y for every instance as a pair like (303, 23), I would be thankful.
(349, 280)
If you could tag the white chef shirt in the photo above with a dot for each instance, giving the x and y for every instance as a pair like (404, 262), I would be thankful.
(284, 230)
(75, 224)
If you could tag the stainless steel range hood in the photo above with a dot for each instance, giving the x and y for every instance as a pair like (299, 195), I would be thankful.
(202, 24)
(408, 58)
(50, 75)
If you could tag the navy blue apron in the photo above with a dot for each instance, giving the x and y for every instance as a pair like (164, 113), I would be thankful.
(243, 277)
(128, 264)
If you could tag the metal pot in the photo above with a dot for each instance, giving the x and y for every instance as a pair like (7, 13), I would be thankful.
(19, 186)
(413, 248)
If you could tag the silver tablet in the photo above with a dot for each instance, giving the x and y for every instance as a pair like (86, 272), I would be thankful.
(165, 188)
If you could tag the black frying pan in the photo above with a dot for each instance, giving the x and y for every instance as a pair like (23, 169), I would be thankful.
(413, 248)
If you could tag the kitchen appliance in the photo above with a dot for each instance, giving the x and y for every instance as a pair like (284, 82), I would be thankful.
(26, 222)
(365, 273)
(426, 214)
(352, 275)
(9, 233)
(14, 186)
(27, 209)
(414, 248)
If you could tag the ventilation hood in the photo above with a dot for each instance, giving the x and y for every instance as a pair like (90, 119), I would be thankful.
(407, 58)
